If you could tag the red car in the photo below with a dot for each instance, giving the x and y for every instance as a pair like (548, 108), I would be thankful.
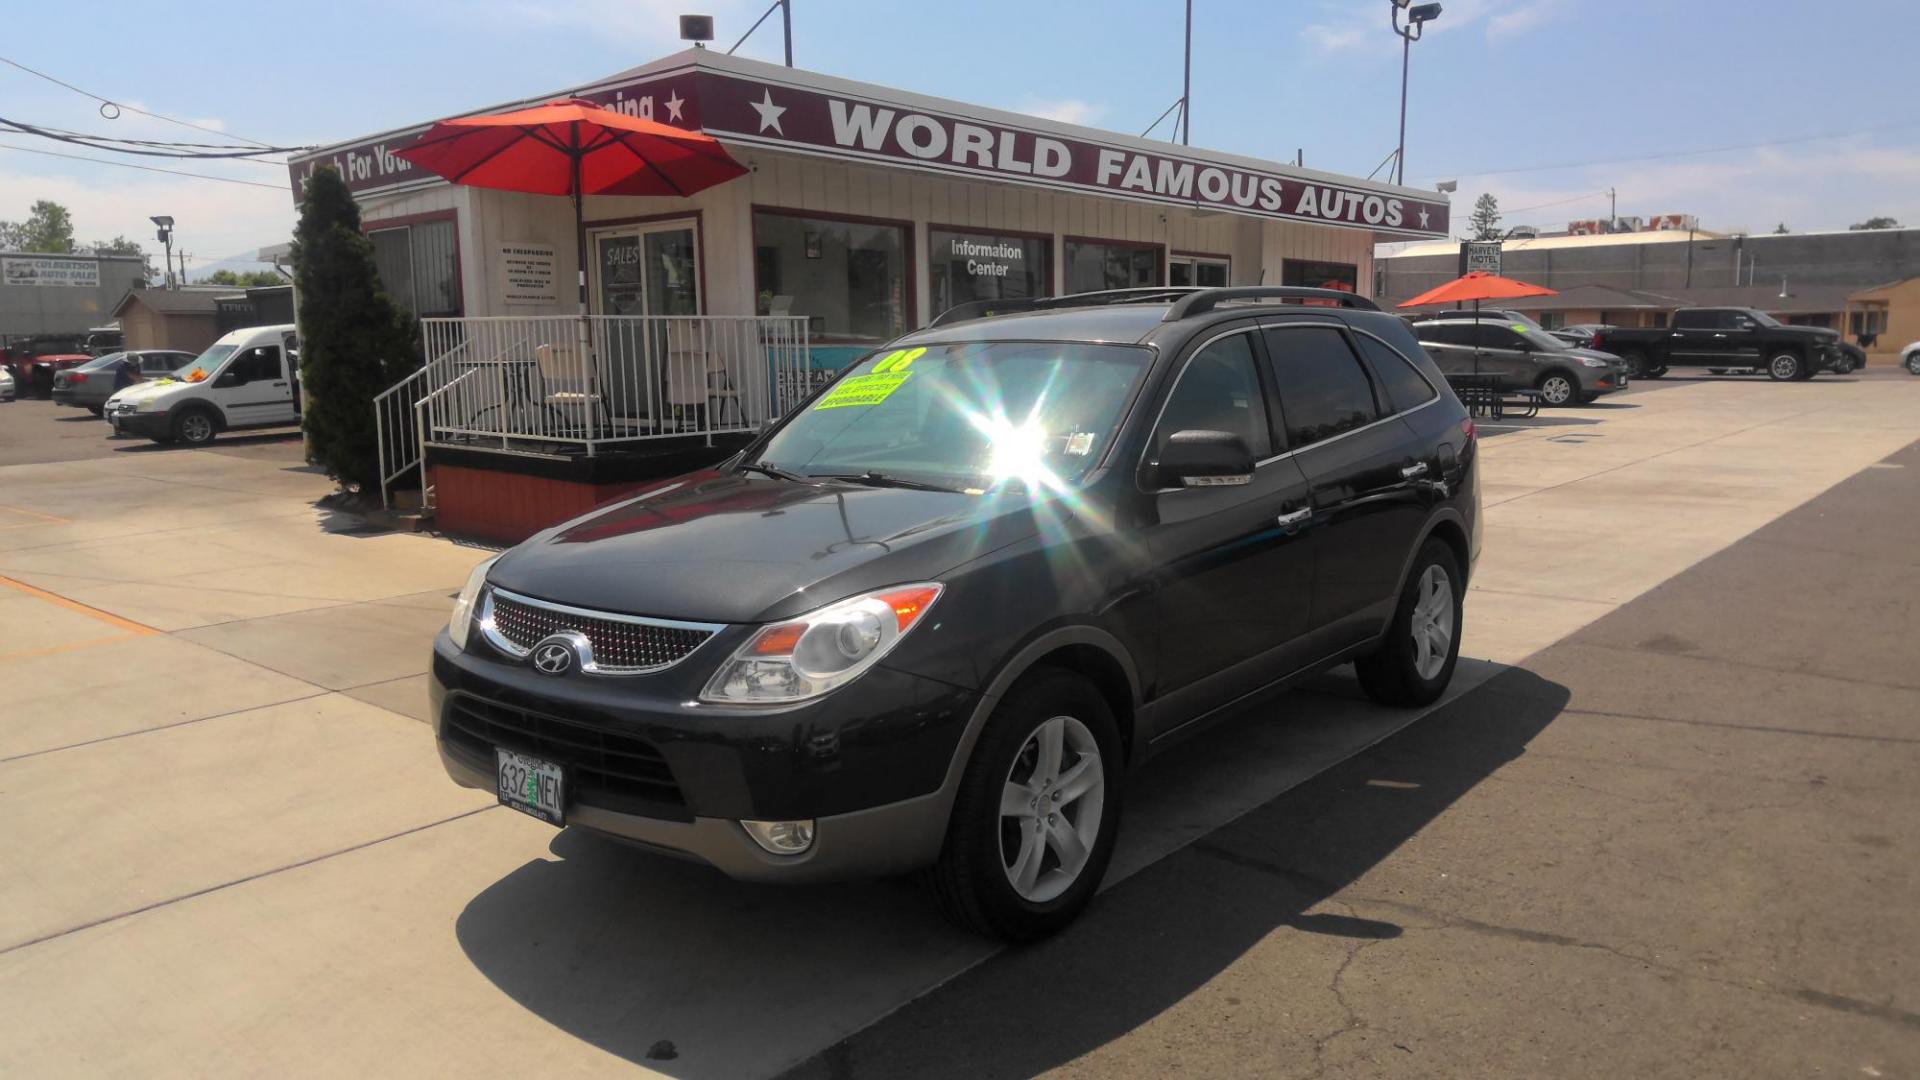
(35, 374)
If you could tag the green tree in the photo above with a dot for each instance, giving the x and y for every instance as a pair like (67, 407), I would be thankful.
(354, 341)
(119, 245)
(1876, 223)
(1485, 221)
(244, 279)
(48, 228)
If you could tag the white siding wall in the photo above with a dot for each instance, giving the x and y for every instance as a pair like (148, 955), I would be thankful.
(490, 218)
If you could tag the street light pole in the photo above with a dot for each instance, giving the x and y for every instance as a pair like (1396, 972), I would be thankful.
(1186, 85)
(1418, 16)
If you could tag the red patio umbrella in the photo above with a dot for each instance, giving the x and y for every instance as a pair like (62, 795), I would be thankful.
(576, 148)
(1476, 286)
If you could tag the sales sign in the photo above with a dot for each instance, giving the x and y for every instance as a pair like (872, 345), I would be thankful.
(49, 270)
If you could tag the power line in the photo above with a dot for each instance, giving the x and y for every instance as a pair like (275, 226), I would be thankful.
(1689, 153)
(143, 168)
(117, 107)
(140, 147)
(1559, 202)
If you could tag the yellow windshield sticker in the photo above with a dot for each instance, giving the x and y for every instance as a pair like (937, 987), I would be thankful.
(898, 360)
(1519, 328)
(863, 390)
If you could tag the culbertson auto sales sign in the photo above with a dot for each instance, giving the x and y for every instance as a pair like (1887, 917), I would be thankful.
(745, 103)
(49, 270)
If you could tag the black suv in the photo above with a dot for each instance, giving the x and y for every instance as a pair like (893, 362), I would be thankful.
(932, 618)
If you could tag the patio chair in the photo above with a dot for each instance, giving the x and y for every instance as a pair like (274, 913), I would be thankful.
(697, 377)
(569, 387)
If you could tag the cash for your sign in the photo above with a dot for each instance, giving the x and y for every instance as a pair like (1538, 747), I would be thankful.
(978, 253)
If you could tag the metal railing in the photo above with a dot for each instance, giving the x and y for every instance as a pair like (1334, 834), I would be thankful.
(567, 384)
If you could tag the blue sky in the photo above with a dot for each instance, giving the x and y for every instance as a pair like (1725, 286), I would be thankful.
(1501, 89)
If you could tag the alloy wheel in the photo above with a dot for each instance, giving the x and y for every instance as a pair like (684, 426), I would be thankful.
(1050, 809)
(1432, 623)
(196, 428)
(1556, 389)
(1784, 366)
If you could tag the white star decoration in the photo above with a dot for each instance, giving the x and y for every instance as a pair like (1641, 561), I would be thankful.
(673, 105)
(1423, 217)
(769, 112)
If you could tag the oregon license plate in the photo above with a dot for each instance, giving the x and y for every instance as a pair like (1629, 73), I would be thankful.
(532, 786)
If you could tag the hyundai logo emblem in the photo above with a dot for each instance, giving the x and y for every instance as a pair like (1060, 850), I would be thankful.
(554, 656)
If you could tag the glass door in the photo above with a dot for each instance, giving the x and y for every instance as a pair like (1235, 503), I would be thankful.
(647, 270)
(1197, 270)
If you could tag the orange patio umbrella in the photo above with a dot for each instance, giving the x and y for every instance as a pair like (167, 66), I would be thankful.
(1476, 286)
(573, 147)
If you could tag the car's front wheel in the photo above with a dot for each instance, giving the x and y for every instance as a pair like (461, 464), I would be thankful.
(1415, 660)
(1784, 367)
(1034, 823)
(195, 427)
(1558, 388)
(1913, 363)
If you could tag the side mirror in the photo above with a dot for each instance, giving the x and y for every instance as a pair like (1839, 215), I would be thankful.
(1205, 459)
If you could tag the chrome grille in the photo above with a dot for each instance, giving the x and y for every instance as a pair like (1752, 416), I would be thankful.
(622, 644)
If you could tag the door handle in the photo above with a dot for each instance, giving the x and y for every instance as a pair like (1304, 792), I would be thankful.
(279, 384)
(1298, 517)
(1418, 468)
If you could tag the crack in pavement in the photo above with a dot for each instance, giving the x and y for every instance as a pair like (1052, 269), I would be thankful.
(1448, 921)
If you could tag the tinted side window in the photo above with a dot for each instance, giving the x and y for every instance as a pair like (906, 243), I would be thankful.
(1439, 333)
(1404, 384)
(1323, 389)
(1500, 337)
(1693, 320)
(1219, 391)
(256, 364)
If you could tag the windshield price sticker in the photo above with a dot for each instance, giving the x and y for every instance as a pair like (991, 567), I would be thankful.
(864, 390)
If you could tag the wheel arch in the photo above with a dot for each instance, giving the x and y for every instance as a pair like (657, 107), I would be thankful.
(181, 408)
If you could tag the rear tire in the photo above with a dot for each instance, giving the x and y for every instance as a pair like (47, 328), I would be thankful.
(1415, 661)
(97, 410)
(195, 427)
(1913, 364)
(1785, 367)
(1033, 827)
(1636, 363)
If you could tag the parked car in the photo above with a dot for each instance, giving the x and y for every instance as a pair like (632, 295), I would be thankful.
(1521, 358)
(1469, 314)
(1910, 358)
(1848, 358)
(1734, 339)
(250, 378)
(1582, 335)
(933, 617)
(102, 340)
(91, 384)
(8, 389)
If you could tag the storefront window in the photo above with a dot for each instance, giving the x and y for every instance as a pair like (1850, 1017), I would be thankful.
(967, 266)
(849, 278)
(1344, 277)
(419, 266)
(1093, 265)
(1207, 272)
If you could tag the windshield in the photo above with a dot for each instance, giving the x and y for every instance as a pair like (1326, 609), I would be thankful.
(1539, 339)
(965, 416)
(204, 365)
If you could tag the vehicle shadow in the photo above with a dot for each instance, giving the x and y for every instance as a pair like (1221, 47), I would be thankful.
(137, 445)
(669, 964)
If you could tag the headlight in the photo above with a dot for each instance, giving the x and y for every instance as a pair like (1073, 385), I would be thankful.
(808, 656)
(151, 404)
(1594, 362)
(461, 624)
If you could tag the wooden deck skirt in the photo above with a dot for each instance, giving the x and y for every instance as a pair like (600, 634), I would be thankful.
(505, 498)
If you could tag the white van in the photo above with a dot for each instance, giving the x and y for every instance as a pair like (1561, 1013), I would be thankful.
(248, 379)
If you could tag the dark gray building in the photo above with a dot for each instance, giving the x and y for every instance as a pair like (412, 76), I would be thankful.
(62, 294)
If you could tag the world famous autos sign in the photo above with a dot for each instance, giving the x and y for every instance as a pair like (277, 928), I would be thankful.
(746, 103)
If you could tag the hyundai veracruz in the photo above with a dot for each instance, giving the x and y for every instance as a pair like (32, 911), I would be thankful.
(932, 619)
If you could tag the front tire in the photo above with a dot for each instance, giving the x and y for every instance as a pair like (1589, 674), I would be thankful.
(1636, 364)
(1913, 364)
(195, 427)
(1558, 388)
(98, 411)
(1415, 661)
(1034, 823)
(1785, 367)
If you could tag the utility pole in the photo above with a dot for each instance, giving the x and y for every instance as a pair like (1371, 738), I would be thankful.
(1613, 211)
(1186, 85)
(1418, 16)
(786, 18)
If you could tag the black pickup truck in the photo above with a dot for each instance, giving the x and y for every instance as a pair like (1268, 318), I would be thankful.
(1736, 339)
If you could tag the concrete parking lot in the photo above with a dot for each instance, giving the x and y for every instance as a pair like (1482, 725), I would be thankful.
(1663, 824)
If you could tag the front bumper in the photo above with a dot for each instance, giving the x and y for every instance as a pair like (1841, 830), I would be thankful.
(152, 425)
(866, 763)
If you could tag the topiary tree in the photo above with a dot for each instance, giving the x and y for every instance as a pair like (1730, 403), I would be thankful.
(354, 340)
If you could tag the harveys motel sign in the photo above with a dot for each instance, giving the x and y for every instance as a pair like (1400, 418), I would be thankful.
(746, 103)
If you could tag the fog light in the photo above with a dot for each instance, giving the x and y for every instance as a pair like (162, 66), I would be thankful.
(781, 837)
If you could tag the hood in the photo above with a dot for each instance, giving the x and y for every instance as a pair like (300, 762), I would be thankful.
(1593, 354)
(139, 391)
(717, 547)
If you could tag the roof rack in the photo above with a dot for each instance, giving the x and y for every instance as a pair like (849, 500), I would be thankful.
(1197, 301)
(975, 309)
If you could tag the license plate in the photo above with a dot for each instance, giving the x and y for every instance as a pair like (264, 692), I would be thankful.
(532, 786)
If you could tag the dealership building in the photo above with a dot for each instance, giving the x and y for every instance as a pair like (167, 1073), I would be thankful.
(866, 211)
(62, 294)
